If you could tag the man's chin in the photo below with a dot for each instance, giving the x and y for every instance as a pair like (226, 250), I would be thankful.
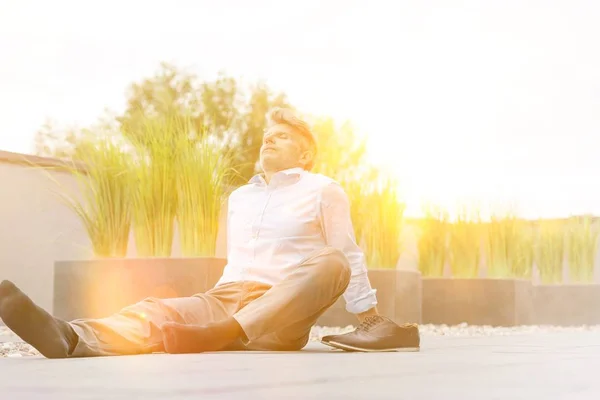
(270, 163)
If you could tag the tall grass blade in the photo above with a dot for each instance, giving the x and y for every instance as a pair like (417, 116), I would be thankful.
(103, 199)
(582, 245)
(203, 177)
(383, 229)
(465, 244)
(549, 250)
(432, 241)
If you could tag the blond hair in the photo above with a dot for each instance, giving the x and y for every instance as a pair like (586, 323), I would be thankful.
(287, 116)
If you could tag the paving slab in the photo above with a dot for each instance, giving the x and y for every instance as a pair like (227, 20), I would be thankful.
(528, 366)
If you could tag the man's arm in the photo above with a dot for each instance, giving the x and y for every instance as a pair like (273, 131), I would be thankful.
(339, 233)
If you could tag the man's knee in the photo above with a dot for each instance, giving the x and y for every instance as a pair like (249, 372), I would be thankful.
(334, 262)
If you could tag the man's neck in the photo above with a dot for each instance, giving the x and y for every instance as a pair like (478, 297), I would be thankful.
(268, 175)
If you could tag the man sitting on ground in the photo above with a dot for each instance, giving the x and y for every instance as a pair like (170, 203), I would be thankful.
(291, 253)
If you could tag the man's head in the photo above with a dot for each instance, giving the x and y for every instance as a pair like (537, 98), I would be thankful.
(287, 143)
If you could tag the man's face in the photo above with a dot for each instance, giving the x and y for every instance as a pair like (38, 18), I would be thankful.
(281, 149)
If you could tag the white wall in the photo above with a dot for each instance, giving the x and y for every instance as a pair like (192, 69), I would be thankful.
(36, 229)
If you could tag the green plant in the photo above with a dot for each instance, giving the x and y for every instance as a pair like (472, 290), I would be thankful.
(432, 240)
(383, 228)
(582, 245)
(509, 247)
(103, 203)
(203, 175)
(154, 191)
(522, 263)
(465, 245)
(549, 250)
(358, 188)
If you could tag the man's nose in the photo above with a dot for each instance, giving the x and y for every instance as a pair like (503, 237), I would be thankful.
(269, 140)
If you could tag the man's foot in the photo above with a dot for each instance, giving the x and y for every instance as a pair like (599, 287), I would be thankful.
(377, 333)
(179, 338)
(52, 337)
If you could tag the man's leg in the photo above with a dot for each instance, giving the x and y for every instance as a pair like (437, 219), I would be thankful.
(136, 329)
(133, 330)
(281, 318)
(52, 337)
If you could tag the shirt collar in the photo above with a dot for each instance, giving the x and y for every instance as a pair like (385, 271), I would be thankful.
(259, 178)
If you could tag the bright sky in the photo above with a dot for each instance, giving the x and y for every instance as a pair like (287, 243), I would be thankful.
(488, 101)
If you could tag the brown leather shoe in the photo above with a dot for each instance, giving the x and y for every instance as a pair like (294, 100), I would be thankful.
(377, 333)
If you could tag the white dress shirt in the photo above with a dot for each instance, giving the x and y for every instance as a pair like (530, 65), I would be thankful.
(272, 228)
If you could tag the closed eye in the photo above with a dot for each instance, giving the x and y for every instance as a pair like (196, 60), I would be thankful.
(280, 135)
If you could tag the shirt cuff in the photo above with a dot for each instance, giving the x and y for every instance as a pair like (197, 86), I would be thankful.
(362, 303)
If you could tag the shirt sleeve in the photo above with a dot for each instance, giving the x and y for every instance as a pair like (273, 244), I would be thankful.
(339, 233)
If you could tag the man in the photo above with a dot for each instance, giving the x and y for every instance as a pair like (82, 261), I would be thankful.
(291, 254)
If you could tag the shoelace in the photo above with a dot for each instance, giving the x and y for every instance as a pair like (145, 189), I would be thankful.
(369, 322)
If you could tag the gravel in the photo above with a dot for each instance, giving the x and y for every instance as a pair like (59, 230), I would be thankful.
(11, 346)
(17, 349)
(468, 330)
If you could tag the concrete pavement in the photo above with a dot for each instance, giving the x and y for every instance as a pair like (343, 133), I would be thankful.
(528, 366)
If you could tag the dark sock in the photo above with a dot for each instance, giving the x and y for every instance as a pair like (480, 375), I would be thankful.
(179, 338)
(52, 337)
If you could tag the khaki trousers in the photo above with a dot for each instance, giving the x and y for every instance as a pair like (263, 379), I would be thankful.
(273, 318)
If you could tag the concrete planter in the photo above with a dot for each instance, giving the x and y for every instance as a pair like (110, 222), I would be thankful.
(566, 304)
(477, 301)
(98, 288)
(398, 296)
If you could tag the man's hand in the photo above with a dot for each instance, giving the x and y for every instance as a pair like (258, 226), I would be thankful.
(362, 316)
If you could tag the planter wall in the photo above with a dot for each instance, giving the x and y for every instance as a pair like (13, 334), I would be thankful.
(477, 301)
(99, 288)
(566, 304)
(398, 296)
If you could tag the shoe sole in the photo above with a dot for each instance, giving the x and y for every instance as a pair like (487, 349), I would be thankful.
(352, 348)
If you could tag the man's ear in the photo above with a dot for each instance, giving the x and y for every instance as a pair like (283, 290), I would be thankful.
(306, 157)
